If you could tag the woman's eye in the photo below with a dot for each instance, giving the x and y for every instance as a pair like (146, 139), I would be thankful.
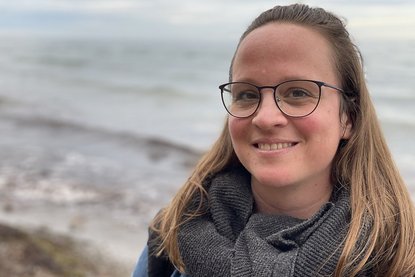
(297, 93)
(246, 96)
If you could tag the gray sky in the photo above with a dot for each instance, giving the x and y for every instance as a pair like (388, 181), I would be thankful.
(195, 19)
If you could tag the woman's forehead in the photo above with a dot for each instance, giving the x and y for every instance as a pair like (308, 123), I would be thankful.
(284, 36)
(284, 49)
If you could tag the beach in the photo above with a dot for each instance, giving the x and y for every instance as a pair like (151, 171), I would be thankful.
(91, 198)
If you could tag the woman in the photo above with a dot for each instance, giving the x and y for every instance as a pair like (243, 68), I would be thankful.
(300, 182)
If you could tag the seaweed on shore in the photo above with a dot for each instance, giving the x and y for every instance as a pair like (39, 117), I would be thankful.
(44, 254)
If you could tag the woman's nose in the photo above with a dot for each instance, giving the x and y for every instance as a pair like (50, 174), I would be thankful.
(268, 114)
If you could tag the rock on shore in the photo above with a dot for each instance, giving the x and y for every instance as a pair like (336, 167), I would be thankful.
(43, 254)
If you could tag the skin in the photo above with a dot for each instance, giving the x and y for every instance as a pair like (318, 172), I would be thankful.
(294, 180)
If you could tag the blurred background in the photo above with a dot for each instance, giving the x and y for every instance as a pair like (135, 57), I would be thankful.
(106, 105)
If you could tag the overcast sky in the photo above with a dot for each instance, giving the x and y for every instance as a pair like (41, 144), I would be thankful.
(195, 19)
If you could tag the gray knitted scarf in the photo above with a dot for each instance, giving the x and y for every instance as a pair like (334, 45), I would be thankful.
(232, 240)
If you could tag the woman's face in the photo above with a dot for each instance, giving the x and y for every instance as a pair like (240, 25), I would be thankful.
(306, 146)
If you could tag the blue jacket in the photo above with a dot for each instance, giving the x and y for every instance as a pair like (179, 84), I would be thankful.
(142, 266)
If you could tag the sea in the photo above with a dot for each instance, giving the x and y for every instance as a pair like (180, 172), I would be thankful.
(100, 133)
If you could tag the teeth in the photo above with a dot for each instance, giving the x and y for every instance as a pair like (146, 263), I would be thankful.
(274, 146)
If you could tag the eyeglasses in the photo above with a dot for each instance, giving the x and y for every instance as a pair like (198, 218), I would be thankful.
(295, 98)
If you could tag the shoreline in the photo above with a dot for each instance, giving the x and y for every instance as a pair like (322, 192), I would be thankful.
(116, 241)
(99, 188)
(40, 252)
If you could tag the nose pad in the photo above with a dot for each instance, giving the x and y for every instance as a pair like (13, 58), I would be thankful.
(279, 103)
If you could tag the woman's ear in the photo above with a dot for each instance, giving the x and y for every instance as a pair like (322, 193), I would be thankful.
(346, 126)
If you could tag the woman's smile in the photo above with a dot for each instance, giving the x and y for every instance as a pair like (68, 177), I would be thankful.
(274, 146)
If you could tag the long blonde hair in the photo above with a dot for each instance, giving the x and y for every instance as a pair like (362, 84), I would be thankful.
(363, 164)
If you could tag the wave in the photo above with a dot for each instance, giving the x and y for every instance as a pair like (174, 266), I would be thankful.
(156, 147)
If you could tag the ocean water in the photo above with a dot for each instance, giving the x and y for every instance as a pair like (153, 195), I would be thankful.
(116, 125)
(99, 134)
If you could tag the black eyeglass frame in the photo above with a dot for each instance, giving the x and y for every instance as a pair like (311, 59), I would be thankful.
(320, 84)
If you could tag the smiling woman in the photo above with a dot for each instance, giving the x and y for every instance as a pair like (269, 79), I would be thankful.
(273, 54)
(301, 181)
